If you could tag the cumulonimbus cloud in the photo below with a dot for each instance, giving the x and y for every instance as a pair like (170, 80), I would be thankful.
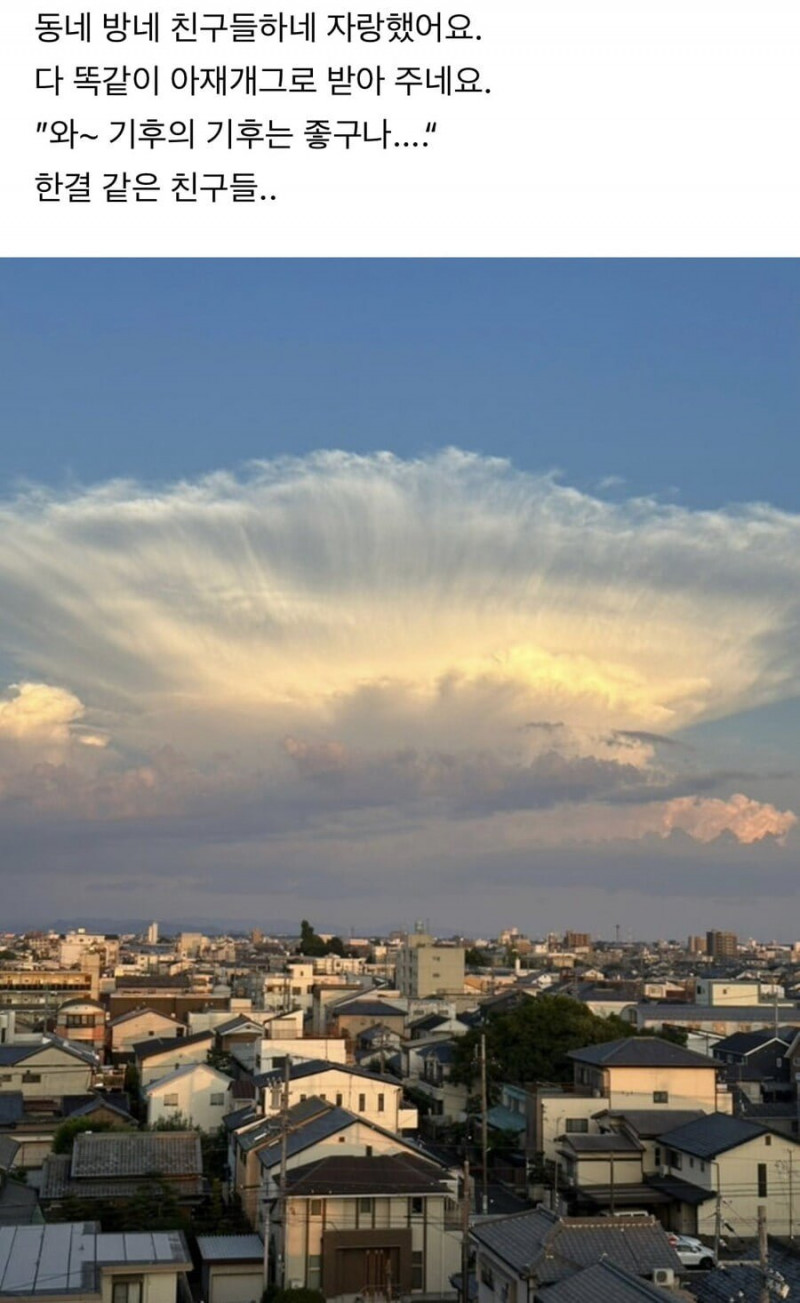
(382, 606)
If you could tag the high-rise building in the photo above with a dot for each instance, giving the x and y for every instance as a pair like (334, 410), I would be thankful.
(152, 934)
(722, 945)
(424, 969)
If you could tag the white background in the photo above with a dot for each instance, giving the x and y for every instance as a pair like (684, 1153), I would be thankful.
(626, 127)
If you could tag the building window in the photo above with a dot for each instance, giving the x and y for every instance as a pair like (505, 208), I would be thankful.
(127, 1289)
(171, 1101)
(316, 1208)
(767, 1140)
(418, 1270)
(338, 1099)
(31, 1077)
(218, 1097)
(577, 1124)
(660, 1096)
(762, 1180)
(381, 1103)
(314, 1270)
(365, 1205)
(416, 1205)
(362, 1103)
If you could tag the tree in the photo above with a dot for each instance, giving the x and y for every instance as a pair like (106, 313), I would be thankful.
(474, 958)
(531, 1042)
(64, 1135)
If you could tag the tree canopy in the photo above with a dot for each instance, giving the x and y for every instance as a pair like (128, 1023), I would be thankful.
(530, 1042)
(313, 945)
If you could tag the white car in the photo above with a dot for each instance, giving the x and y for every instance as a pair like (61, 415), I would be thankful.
(693, 1252)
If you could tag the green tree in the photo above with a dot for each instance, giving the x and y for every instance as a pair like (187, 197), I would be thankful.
(474, 958)
(531, 1042)
(64, 1136)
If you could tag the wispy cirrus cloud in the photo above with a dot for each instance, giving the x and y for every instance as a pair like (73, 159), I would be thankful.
(446, 636)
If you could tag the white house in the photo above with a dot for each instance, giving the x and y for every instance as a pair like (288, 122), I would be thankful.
(196, 1092)
(380, 1099)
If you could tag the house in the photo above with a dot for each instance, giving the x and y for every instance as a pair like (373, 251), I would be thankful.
(734, 1161)
(378, 1098)
(604, 1282)
(82, 1022)
(427, 1067)
(160, 1056)
(232, 1268)
(352, 1016)
(114, 1165)
(386, 1224)
(197, 1093)
(137, 1026)
(526, 1255)
(74, 1261)
(19, 1204)
(48, 1069)
(602, 1171)
(646, 1072)
(313, 1128)
(756, 1064)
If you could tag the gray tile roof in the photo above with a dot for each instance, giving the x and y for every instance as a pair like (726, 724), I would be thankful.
(604, 1282)
(743, 1283)
(640, 1052)
(615, 1143)
(315, 1129)
(12, 1107)
(135, 1154)
(58, 1184)
(546, 1248)
(162, 1044)
(9, 1149)
(230, 1248)
(650, 1122)
(713, 1134)
(381, 1175)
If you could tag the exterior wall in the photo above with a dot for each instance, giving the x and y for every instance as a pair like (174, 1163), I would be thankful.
(159, 1286)
(49, 1074)
(709, 990)
(556, 1112)
(161, 1064)
(194, 1096)
(235, 1282)
(625, 1170)
(371, 1098)
(426, 969)
(331, 1048)
(84, 1023)
(637, 1088)
(433, 1248)
(135, 1030)
(738, 1177)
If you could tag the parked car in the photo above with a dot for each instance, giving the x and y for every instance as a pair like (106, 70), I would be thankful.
(693, 1252)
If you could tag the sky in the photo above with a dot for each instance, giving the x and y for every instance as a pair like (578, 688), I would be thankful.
(369, 591)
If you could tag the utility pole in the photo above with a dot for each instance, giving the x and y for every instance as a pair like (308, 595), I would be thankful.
(717, 1221)
(465, 1208)
(484, 1128)
(763, 1253)
(612, 1209)
(281, 1264)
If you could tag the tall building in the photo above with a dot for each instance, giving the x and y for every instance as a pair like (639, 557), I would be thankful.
(152, 934)
(424, 969)
(722, 945)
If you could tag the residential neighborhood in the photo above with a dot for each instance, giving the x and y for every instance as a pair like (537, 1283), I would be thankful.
(510, 1119)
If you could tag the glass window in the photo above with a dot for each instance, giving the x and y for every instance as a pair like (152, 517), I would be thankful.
(660, 1096)
(218, 1097)
(762, 1180)
(577, 1124)
(381, 1103)
(362, 1103)
(418, 1270)
(127, 1289)
(316, 1208)
(171, 1101)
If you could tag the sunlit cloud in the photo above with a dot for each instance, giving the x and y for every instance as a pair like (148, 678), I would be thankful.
(446, 638)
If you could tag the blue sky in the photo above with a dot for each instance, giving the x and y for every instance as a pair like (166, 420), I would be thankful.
(339, 584)
(679, 377)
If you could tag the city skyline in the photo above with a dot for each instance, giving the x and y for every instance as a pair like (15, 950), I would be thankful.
(543, 665)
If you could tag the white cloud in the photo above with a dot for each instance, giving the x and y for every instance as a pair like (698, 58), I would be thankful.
(375, 608)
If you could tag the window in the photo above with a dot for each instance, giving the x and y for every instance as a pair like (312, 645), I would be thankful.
(316, 1208)
(218, 1097)
(171, 1101)
(127, 1289)
(362, 1103)
(339, 1099)
(577, 1124)
(660, 1096)
(32, 1076)
(767, 1140)
(762, 1180)
(418, 1270)
(416, 1205)
(674, 1159)
(381, 1103)
(314, 1271)
(368, 1151)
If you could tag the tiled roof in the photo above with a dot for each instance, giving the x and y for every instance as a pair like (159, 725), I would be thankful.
(640, 1052)
(9, 1148)
(385, 1174)
(713, 1134)
(546, 1248)
(310, 1068)
(58, 1184)
(315, 1129)
(163, 1044)
(230, 1248)
(125, 1154)
(144, 1011)
(616, 1142)
(650, 1122)
(603, 1282)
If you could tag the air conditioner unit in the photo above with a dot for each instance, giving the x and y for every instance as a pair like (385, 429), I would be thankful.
(664, 1276)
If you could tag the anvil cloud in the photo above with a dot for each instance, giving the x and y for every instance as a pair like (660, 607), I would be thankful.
(445, 639)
